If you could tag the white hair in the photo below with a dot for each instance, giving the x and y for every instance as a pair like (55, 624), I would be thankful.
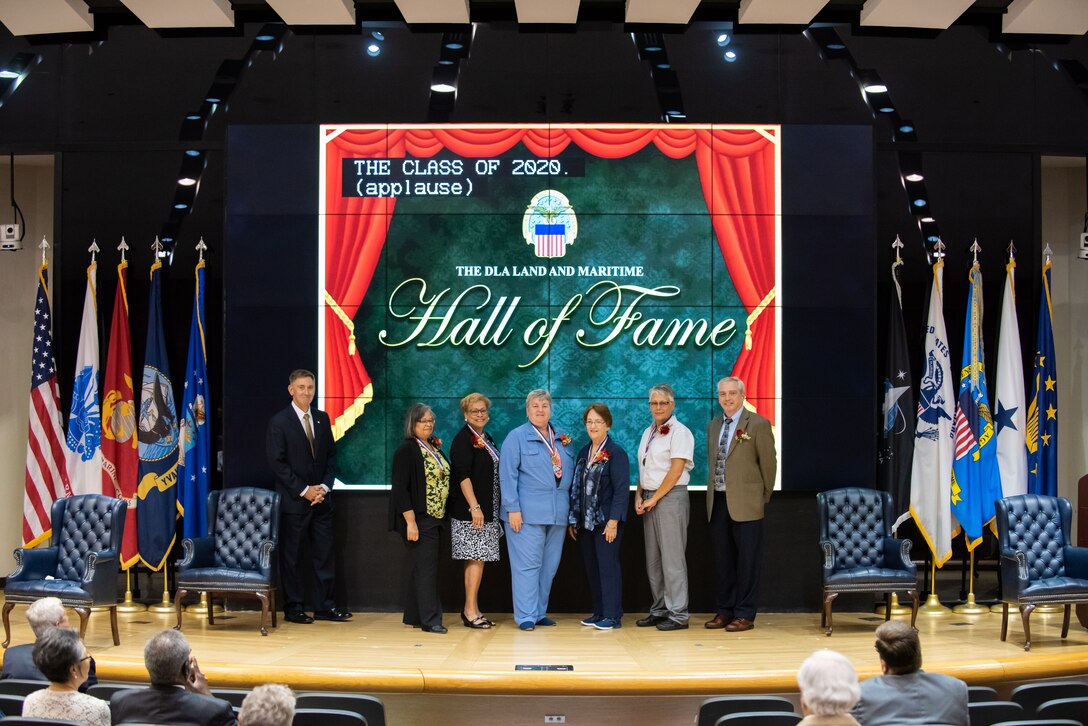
(828, 683)
(272, 704)
(44, 614)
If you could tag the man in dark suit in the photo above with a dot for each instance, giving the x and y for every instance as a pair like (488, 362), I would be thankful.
(740, 478)
(179, 692)
(302, 454)
(19, 659)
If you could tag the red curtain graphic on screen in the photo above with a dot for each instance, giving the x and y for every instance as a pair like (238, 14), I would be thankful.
(737, 168)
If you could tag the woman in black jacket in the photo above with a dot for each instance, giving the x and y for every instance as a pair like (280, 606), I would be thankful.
(417, 511)
(474, 502)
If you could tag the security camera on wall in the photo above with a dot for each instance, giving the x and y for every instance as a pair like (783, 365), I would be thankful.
(1083, 252)
(10, 237)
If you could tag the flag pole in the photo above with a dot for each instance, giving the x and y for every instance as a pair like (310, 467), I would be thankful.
(129, 605)
(970, 607)
(933, 607)
(164, 607)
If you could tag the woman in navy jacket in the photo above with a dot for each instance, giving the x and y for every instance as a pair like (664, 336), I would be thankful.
(598, 508)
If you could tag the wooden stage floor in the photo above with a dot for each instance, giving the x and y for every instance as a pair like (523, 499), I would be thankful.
(631, 675)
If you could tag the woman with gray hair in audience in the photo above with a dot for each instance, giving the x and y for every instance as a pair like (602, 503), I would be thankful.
(829, 689)
(62, 658)
(272, 704)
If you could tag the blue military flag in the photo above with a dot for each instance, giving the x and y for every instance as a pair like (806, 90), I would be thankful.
(194, 470)
(1042, 434)
(158, 441)
(975, 479)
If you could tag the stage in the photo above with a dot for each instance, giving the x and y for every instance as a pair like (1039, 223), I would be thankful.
(631, 675)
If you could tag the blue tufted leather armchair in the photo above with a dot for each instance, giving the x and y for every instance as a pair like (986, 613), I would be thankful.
(236, 555)
(80, 565)
(1038, 563)
(860, 555)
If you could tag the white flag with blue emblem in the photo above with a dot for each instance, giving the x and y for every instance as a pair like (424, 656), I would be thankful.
(84, 439)
(1010, 412)
(931, 473)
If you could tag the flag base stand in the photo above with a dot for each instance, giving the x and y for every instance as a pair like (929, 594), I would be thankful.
(997, 608)
(897, 609)
(933, 607)
(129, 605)
(1050, 609)
(201, 608)
(971, 607)
(165, 606)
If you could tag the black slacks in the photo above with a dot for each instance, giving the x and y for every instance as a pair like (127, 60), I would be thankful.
(422, 605)
(738, 554)
(315, 526)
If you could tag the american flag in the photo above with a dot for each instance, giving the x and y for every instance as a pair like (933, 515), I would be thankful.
(550, 239)
(46, 474)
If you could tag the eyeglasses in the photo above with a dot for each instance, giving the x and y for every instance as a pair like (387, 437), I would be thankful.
(426, 420)
(477, 411)
(660, 403)
(86, 657)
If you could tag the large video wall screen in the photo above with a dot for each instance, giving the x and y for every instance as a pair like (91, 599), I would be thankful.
(592, 261)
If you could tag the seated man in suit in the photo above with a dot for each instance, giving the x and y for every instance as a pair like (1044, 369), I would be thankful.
(179, 692)
(19, 659)
(905, 694)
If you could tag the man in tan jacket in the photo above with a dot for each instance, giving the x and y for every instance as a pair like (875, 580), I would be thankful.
(741, 472)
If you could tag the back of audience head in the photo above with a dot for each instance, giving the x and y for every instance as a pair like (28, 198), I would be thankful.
(899, 648)
(56, 652)
(828, 684)
(166, 657)
(44, 614)
(269, 705)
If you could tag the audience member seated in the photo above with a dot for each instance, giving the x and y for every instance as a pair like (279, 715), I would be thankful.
(906, 695)
(829, 689)
(61, 657)
(269, 705)
(19, 659)
(179, 692)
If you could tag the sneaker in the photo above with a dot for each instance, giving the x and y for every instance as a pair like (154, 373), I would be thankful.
(592, 620)
(527, 625)
(545, 622)
(608, 624)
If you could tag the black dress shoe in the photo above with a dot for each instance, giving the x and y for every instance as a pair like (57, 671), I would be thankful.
(336, 615)
(671, 625)
(300, 618)
(649, 621)
(437, 629)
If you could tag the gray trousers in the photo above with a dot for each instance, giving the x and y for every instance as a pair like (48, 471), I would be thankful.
(665, 528)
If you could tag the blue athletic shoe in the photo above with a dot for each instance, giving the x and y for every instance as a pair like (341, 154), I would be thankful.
(545, 622)
(608, 624)
(527, 625)
(592, 620)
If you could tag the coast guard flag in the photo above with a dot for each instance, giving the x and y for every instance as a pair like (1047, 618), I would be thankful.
(194, 466)
(897, 443)
(158, 437)
(46, 469)
(120, 459)
(1011, 415)
(931, 471)
(975, 482)
(84, 440)
(1042, 437)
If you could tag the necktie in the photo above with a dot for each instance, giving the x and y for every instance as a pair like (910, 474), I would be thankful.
(723, 448)
(309, 433)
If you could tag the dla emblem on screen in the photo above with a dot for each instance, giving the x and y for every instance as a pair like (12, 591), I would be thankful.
(452, 260)
(549, 224)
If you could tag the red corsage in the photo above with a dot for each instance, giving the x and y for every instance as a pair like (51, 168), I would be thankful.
(564, 439)
(742, 435)
(435, 442)
(664, 430)
(479, 443)
(602, 456)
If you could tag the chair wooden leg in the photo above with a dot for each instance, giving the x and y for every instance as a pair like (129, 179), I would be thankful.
(264, 611)
(211, 609)
(7, 623)
(178, 594)
(113, 625)
(84, 615)
(887, 606)
(1065, 623)
(1025, 613)
(272, 605)
(1004, 620)
(913, 607)
(827, 611)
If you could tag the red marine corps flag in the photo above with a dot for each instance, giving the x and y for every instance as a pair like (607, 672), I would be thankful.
(120, 460)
